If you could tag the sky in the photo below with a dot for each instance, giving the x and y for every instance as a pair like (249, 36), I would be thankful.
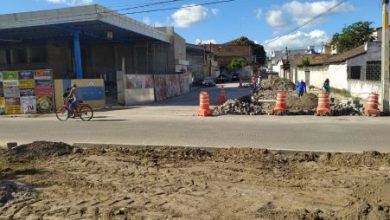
(272, 23)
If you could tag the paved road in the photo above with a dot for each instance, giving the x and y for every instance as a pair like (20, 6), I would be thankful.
(176, 125)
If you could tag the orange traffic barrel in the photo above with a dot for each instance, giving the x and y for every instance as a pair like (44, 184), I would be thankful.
(222, 97)
(204, 104)
(323, 107)
(371, 108)
(281, 105)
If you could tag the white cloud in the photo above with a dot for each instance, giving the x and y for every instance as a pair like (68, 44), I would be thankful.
(215, 11)
(159, 24)
(258, 13)
(189, 16)
(297, 40)
(71, 2)
(146, 20)
(199, 41)
(277, 19)
(304, 11)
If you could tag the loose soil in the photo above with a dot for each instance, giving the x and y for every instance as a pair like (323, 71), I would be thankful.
(47, 180)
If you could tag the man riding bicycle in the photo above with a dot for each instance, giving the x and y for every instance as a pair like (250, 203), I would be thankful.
(72, 98)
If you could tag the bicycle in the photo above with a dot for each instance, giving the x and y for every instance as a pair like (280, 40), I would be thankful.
(83, 110)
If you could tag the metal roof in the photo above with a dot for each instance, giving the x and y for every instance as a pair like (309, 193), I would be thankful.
(91, 19)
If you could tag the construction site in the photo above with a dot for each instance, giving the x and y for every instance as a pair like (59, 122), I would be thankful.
(180, 127)
(45, 180)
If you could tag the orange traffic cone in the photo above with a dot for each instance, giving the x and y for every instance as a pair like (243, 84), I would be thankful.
(281, 106)
(240, 84)
(323, 107)
(371, 108)
(222, 97)
(204, 104)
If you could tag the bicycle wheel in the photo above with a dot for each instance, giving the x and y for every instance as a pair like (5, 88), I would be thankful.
(62, 114)
(86, 113)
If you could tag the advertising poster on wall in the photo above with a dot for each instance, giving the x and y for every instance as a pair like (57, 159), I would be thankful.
(2, 105)
(28, 104)
(44, 93)
(11, 92)
(27, 92)
(10, 75)
(44, 88)
(43, 75)
(12, 105)
(44, 104)
(23, 75)
(27, 84)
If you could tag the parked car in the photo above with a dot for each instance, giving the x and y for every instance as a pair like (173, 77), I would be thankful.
(235, 77)
(221, 79)
(209, 82)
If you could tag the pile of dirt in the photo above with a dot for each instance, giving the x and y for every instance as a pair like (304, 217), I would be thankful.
(274, 83)
(123, 182)
(305, 104)
(39, 150)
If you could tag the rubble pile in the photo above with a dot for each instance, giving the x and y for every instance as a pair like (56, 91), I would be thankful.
(262, 102)
(346, 108)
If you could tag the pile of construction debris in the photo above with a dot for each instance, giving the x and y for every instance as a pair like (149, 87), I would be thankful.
(353, 108)
(263, 100)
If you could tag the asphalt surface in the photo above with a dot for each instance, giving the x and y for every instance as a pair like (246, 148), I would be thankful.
(173, 123)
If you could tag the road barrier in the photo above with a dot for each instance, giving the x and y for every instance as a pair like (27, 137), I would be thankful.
(204, 105)
(323, 108)
(281, 106)
(371, 108)
(222, 97)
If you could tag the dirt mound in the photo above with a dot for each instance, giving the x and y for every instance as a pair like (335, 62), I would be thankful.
(119, 182)
(308, 101)
(270, 211)
(12, 192)
(39, 150)
(274, 83)
(370, 158)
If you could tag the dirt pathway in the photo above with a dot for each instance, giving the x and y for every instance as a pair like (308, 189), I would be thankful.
(114, 182)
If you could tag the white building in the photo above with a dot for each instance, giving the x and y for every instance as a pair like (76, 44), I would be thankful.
(357, 71)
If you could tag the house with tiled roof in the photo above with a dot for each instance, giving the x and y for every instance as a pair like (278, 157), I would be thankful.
(357, 71)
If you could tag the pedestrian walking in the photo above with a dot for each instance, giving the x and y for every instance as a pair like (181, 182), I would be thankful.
(301, 88)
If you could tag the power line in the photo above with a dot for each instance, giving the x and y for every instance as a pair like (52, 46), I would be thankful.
(108, 12)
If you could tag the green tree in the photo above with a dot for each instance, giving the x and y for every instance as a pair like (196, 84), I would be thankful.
(353, 36)
(237, 63)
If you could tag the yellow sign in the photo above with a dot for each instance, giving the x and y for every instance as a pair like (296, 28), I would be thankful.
(2, 102)
(12, 109)
(27, 84)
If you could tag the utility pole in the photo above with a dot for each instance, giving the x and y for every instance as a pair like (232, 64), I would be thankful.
(385, 57)
(210, 60)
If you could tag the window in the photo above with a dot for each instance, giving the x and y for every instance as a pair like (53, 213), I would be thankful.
(373, 71)
(355, 72)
